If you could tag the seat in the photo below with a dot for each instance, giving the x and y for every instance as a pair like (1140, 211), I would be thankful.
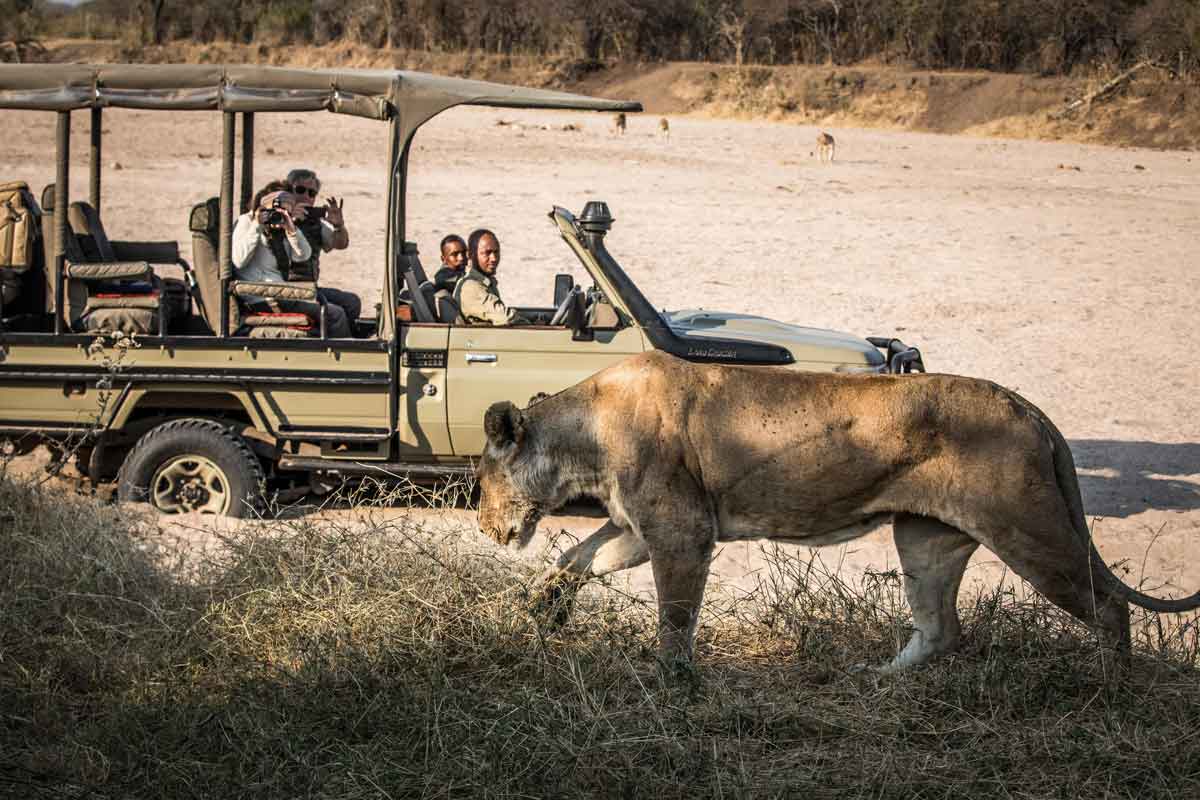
(447, 308)
(261, 319)
(419, 293)
(99, 297)
(102, 292)
(170, 297)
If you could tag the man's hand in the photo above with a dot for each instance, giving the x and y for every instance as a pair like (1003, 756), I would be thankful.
(333, 212)
(289, 224)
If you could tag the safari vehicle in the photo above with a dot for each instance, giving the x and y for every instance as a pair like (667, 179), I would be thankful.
(214, 403)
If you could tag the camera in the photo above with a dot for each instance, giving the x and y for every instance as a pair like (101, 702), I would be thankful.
(315, 212)
(271, 217)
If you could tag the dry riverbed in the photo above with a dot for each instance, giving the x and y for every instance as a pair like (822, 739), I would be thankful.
(1063, 271)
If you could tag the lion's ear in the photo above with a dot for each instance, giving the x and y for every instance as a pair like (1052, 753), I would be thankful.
(504, 424)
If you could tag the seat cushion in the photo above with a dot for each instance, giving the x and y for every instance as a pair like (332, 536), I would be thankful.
(276, 319)
(122, 300)
(277, 291)
(127, 320)
(111, 271)
(278, 332)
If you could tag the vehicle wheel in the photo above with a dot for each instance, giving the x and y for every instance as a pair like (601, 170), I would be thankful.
(192, 465)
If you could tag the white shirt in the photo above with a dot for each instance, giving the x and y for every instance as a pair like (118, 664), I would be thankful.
(252, 256)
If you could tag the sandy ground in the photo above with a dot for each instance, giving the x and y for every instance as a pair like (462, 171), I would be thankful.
(1076, 287)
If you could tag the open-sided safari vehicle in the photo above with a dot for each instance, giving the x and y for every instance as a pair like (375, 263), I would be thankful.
(215, 401)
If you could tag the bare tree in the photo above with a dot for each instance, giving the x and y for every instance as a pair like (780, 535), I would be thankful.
(733, 26)
(150, 20)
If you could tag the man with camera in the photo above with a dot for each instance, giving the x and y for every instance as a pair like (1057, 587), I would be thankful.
(267, 242)
(325, 229)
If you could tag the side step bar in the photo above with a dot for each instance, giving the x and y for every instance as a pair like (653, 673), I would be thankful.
(396, 469)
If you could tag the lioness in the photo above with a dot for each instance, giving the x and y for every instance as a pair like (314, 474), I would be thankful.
(685, 455)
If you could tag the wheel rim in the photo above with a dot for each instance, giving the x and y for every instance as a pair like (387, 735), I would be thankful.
(190, 483)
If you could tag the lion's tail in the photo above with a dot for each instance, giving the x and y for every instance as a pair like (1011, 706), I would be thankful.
(1068, 484)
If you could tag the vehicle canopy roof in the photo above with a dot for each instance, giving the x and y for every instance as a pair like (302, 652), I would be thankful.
(405, 99)
(371, 93)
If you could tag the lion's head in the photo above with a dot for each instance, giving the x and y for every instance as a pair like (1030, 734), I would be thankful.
(508, 508)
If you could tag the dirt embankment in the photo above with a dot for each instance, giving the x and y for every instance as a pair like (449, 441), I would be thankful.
(1151, 110)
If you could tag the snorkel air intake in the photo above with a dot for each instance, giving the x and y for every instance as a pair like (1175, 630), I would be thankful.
(593, 224)
(595, 221)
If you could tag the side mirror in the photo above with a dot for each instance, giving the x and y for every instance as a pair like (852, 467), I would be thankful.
(563, 284)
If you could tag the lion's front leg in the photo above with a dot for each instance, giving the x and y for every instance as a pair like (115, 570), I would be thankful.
(680, 557)
(610, 549)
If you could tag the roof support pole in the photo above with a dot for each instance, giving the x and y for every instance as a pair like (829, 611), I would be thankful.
(247, 160)
(62, 176)
(94, 162)
(225, 245)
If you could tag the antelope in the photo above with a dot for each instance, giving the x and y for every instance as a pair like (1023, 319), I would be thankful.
(825, 146)
(664, 127)
(619, 124)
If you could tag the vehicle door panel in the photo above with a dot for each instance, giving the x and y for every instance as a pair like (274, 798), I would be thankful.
(423, 392)
(488, 365)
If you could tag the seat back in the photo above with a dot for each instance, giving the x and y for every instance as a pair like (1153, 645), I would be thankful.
(205, 224)
(421, 290)
(447, 309)
(75, 302)
(89, 232)
(48, 248)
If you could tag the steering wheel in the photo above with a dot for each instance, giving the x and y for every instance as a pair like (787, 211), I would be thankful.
(560, 313)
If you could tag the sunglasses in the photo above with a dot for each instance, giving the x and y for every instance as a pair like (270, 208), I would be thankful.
(305, 190)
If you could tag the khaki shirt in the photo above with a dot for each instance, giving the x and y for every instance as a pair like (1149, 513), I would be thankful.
(478, 298)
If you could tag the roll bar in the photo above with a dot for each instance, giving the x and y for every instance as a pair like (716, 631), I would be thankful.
(406, 100)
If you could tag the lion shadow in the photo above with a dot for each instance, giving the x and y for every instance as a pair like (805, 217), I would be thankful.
(1120, 479)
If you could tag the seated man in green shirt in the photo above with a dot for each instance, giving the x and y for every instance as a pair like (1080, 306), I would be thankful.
(478, 293)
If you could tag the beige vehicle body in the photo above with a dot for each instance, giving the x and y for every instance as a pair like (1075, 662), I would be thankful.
(405, 396)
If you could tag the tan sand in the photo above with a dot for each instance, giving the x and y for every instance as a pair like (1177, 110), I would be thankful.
(1078, 288)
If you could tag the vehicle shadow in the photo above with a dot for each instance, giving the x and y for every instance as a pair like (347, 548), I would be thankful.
(451, 494)
(1120, 479)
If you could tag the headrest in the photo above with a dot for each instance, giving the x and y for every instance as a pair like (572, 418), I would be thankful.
(206, 217)
(48, 198)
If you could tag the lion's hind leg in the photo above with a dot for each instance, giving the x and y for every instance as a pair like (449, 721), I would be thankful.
(933, 556)
(1040, 544)
(610, 549)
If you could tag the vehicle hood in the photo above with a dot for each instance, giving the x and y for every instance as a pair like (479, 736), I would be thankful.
(814, 346)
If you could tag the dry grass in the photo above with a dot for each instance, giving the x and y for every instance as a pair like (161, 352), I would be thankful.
(308, 659)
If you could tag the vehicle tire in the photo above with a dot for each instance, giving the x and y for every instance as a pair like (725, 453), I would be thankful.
(192, 465)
